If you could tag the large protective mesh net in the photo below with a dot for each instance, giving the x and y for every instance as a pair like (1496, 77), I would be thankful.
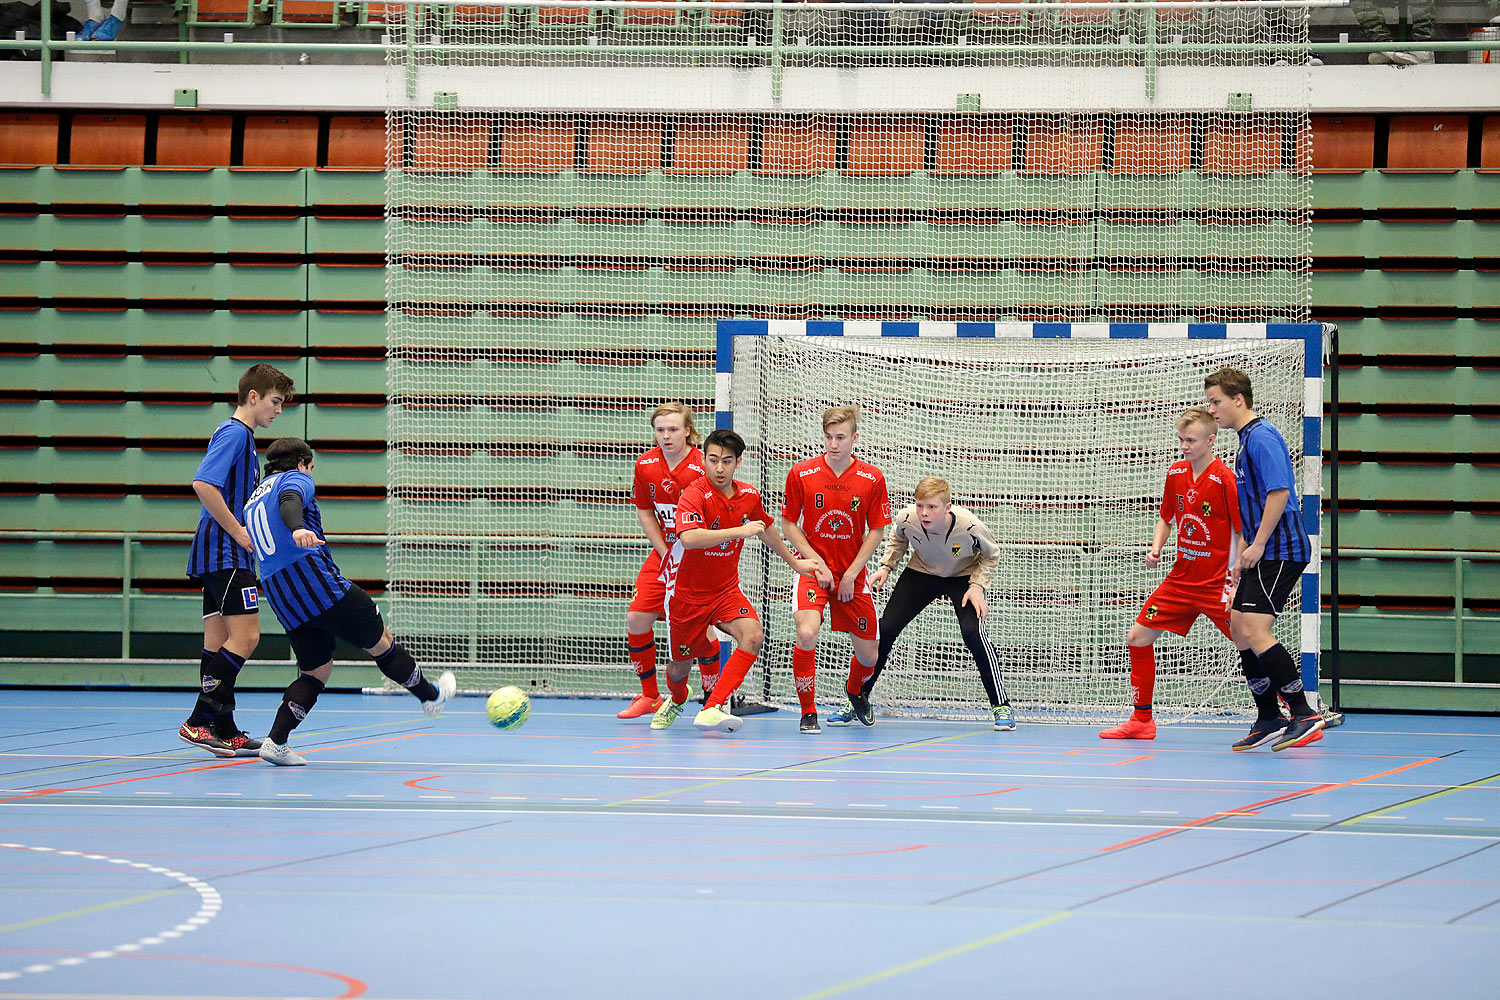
(1062, 449)
(577, 194)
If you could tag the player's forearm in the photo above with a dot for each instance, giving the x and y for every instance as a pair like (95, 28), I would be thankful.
(705, 538)
(213, 502)
(867, 548)
(1276, 502)
(773, 541)
(1160, 534)
(799, 540)
(980, 575)
(652, 527)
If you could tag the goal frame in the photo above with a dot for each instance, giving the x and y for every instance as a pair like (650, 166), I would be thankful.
(1315, 338)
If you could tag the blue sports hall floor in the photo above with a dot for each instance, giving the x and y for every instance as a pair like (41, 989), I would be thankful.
(581, 856)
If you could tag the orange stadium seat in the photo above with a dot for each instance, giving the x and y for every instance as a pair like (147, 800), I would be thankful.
(1428, 142)
(994, 14)
(356, 141)
(1244, 147)
(441, 145)
(1155, 145)
(711, 149)
(193, 140)
(1489, 144)
(281, 141)
(624, 146)
(538, 145)
(28, 139)
(562, 17)
(725, 18)
(1343, 143)
(797, 147)
(474, 14)
(1064, 147)
(886, 148)
(972, 147)
(108, 140)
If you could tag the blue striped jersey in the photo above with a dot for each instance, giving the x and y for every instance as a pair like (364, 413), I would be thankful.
(1262, 465)
(300, 583)
(229, 464)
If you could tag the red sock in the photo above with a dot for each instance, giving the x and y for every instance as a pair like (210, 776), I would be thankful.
(730, 680)
(804, 676)
(708, 672)
(678, 689)
(643, 658)
(858, 674)
(1142, 680)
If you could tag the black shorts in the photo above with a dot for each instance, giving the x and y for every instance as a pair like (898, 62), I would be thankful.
(1265, 587)
(354, 618)
(230, 592)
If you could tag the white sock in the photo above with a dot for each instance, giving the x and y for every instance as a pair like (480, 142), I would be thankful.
(119, 9)
(94, 10)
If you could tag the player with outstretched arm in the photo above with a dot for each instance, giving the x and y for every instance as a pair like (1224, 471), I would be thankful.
(313, 601)
(953, 555)
(714, 517)
(1200, 497)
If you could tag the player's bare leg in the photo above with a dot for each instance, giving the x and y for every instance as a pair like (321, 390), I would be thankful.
(1141, 641)
(805, 665)
(641, 641)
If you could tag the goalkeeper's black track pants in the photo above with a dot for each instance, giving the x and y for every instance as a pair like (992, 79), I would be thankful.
(913, 593)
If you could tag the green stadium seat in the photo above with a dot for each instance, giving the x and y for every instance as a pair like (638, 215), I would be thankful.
(1457, 483)
(332, 327)
(345, 421)
(346, 234)
(138, 282)
(1457, 337)
(1423, 386)
(155, 234)
(1415, 434)
(328, 282)
(136, 374)
(1462, 238)
(339, 375)
(345, 185)
(260, 329)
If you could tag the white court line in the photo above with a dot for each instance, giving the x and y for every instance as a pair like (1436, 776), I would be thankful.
(794, 803)
(358, 795)
(1464, 819)
(294, 795)
(1163, 812)
(221, 793)
(542, 810)
(1311, 816)
(209, 903)
(1083, 810)
(153, 793)
(940, 807)
(1011, 809)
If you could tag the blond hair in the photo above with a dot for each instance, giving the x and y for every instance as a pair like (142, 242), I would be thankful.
(932, 486)
(841, 415)
(1197, 415)
(687, 418)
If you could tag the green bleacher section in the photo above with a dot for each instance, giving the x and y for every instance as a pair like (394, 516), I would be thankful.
(131, 297)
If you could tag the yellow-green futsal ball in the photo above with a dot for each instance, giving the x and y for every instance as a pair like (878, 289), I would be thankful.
(508, 708)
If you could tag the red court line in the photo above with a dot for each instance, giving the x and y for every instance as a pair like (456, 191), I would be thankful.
(1246, 810)
(188, 770)
(352, 987)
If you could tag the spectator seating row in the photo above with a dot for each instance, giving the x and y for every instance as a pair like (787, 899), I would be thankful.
(784, 146)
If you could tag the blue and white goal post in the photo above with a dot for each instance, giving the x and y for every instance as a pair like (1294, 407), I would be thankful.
(1003, 400)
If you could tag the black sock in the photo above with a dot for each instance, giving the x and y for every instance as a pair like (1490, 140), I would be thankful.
(1261, 689)
(301, 695)
(1287, 678)
(397, 664)
(216, 690)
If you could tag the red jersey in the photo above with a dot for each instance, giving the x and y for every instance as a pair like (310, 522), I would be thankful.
(696, 575)
(836, 512)
(1207, 511)
(658, 487)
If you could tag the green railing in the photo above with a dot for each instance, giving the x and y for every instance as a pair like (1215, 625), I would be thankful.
(1146, 52)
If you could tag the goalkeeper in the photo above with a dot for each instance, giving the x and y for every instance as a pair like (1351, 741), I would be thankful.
(952, 556)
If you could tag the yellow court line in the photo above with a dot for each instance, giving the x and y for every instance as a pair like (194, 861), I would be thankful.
(939, 957)
(781, 770)
(39, 921)
(1416, 802)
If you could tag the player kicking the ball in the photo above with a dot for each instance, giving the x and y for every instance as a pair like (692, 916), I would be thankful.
(313, 601)
(714, 517)
(952, 556)
(1200, 497)
(836, 511)
(660, 476)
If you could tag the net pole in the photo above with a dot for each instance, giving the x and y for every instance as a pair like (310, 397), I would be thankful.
(1333, 520)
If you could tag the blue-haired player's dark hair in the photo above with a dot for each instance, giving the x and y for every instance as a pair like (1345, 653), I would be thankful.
(286, 454)
(726, 439)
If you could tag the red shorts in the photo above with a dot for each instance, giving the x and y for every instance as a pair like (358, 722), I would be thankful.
(688, 622)
(650, 592)
(855, 616)
(1174, 609)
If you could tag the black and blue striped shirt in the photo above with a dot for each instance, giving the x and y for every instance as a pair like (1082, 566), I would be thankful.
(298, 589)
(231, 465)
(1262, 465)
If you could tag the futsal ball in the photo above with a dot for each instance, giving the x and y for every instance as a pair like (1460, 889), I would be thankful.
(508, 708)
